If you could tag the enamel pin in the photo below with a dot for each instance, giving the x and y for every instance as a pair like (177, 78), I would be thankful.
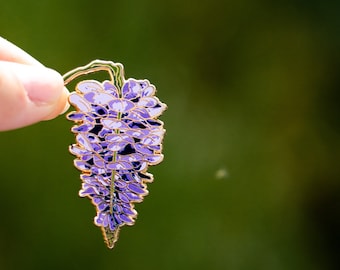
(117, 137)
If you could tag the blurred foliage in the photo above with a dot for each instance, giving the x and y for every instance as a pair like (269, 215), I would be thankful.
(251, 174)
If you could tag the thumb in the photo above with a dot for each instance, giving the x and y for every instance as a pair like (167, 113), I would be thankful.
(29, 94)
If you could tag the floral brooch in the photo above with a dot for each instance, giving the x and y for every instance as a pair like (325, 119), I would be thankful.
(117, 137)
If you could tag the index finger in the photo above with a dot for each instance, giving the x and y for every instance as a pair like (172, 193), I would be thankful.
(11, 53)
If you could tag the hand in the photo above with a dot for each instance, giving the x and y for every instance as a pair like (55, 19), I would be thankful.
(29, 92)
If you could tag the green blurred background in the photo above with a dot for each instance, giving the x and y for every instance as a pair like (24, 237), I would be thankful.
(251, 173)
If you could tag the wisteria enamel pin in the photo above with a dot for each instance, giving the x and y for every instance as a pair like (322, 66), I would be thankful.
(117, 136)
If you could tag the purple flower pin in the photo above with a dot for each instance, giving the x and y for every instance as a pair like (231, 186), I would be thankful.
(118, 136)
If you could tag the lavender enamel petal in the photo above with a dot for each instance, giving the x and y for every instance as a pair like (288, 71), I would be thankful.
(147, 177)
(82, 128)
(97, 200)
(92, 138)
(151, 140)
(127, 177)
(89, 86)
(119, 166)
(148, 102)
(120, 184)
(136, 189)
(83, 141)
(86, 157)
(81, 165)
(113, 124)
(141, 113)
(155, 111)
(103, 181)
(148, 91)
(155, 148)
(98, 220)
(86, 177)
(125, 90)
(153, 122)
(129, 211)
(123, 198)
(131, 89)
(154, 159)
(117, 219)
(90, 97)
(131, 158)
(132, 116)
(126, 219)
(96, 147)
(75, 116)
(89, 119)
(120, 105)
(102, 206)
(138, 134)
(133, 197)
(110, 88)
(103, 98)
(105, 221)
(87, 191)
(104, 131)
(143, 166)
(99, 162)
(116, 146)
(143, 149)
(137, 125)
(79, 102)
(119, 138)
(77, 151)
(117, 208)
(96, 170)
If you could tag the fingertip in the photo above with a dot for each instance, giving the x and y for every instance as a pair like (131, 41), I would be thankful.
(67, 104)
(61, 107)
(44, 86)
(29, 94)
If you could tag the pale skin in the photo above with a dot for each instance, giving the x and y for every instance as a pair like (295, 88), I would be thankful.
(29, 91)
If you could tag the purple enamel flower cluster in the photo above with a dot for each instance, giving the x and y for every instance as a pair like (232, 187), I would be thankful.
(118, 136)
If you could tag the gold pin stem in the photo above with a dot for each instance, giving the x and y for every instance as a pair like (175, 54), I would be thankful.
(115, 70)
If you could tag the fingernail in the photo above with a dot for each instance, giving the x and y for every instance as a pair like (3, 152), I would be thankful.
(67, 105)
(43, 85)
